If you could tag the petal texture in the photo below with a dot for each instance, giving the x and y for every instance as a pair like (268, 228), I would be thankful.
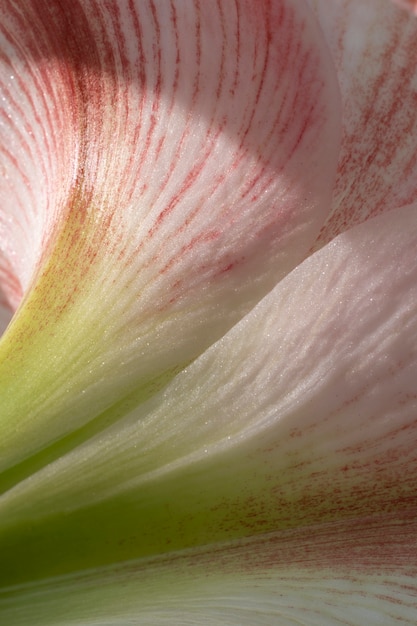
(39, 142)
(374, 46)
(345, 573)
(411, 5)
(9, 293)
(304, 412)
(194, 170)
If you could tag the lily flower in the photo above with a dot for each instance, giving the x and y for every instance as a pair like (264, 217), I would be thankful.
(208, 235)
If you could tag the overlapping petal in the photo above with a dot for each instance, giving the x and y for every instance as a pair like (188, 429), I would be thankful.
(374, 46)
(301, 414)
(340, 573)
(223, 125)
(274, 476)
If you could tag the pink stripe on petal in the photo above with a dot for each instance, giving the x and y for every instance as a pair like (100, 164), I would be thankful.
(304, 412)
(353, 572)
(374, 45)
(38, 139)
(193, 171)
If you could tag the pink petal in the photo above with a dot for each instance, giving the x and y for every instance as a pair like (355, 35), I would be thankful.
(39, 141)
(411, 5)
(10, 293)
(170, 163)
(374, 45)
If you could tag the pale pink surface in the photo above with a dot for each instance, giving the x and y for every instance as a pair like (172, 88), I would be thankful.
(374, 47)
(411, 5)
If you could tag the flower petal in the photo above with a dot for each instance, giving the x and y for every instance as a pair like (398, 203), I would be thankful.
(304, 412)
(9, 293)
(411, 5)
(351, 573)
(374, 46)
(5, 313)
(39, 143)
(200, 171)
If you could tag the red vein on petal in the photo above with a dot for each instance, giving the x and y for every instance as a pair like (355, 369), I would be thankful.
(378, 161)
(127, 204)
